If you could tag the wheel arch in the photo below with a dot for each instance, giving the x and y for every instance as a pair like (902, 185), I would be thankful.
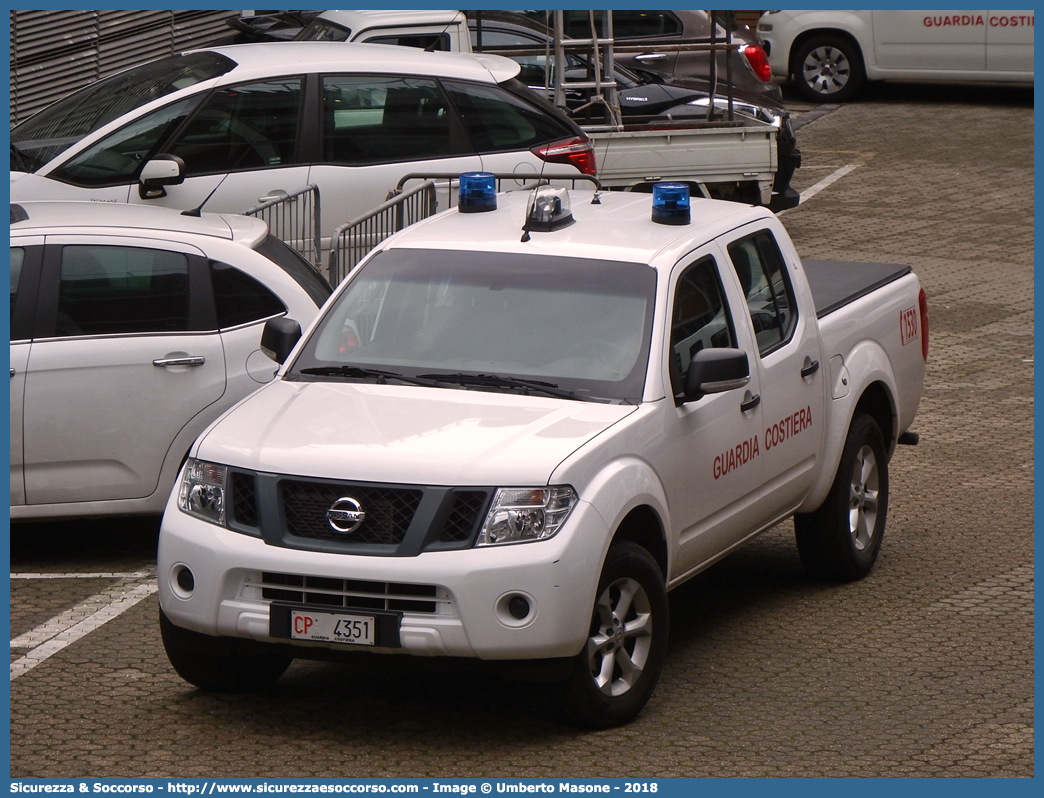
(642, 526)
(841, 33)
(877, 400)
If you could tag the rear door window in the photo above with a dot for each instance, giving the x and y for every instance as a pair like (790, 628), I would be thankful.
(770, 299)
(381, 119)
(498, 120)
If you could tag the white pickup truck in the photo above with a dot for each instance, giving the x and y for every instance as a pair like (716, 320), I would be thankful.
(515, 427)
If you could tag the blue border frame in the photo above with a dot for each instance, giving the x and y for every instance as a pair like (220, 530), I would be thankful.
(667, 787)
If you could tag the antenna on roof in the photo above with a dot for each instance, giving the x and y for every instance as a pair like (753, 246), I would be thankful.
(198, 210)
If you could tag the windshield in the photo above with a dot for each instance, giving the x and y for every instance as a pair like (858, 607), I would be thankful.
(47, 134)
(574, 326)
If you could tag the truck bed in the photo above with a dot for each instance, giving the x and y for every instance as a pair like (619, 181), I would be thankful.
(835, 283)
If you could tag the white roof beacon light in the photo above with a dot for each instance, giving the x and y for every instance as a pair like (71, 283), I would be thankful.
(670, 203)
(549, 209)
(478, 192)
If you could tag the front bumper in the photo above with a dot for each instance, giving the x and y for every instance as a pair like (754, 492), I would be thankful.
(444, 603)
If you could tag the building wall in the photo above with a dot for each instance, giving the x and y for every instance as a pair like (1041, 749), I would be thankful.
(56, 52)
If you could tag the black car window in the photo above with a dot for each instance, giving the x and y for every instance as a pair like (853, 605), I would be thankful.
(44, 135)
(17, 257)
(626, 24)
(422, 41)
(251, 126)
(639, 24)
(239, 298)
(287, 259)
(106, 290)
(763, 277)
(700, 319)
(321, 30)
(379, 119)
(117, 159)
(498, 120)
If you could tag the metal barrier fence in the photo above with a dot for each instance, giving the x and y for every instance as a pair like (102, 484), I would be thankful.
(350, 242)
(353, 240)
(294, 219)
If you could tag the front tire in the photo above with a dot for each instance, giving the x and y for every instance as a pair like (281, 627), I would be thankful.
(841, 540)
(828, 69)
(217, 664)
(614, 676)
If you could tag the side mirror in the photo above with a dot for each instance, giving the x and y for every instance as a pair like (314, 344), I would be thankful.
(279, 338)
(716, 371)
(163, 170)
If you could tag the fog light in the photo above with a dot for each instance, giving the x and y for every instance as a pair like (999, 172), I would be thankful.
(185, 580)
(518, 607)
(670, 203)
(516, 610)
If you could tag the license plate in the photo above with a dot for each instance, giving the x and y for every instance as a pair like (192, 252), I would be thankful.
(329, 627)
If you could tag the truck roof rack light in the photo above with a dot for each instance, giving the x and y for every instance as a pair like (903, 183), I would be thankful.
(478, 192)
(670, 203)
(549, 209)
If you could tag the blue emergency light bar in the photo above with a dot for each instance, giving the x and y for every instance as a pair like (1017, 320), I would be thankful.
(670, 203)
(478, 192)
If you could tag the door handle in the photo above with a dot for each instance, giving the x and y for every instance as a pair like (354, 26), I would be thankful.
(809, 368)
(274, 194)
(198, 360)
(749, 404)
(646, 57)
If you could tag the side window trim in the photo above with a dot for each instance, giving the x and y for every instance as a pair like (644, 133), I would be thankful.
(24, 311)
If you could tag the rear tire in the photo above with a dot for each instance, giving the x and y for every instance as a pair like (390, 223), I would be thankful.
(828, 69)
(614, 676)
(217, 664)
(841, 540)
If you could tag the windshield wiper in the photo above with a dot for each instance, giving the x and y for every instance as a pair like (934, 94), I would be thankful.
(497, 381)
(355, 372)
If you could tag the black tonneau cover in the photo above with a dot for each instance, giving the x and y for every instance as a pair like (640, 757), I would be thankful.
(835, 283)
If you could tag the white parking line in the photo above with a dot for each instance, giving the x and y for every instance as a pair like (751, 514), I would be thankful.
(810, 192)
(67, 627)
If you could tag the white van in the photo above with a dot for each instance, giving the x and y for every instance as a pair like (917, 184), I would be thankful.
(830, 54)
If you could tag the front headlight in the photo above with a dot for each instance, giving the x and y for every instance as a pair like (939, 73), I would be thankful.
(520, 515)
(202, 491)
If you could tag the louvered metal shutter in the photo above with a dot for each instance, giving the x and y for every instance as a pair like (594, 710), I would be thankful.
(54, 53)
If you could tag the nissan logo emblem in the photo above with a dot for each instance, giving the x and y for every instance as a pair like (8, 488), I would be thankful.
(345, 515)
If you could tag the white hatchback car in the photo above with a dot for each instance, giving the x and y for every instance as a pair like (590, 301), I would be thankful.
(131, 330)
(227, 127)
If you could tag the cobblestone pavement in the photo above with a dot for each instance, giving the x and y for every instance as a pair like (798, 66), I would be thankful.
(923, 669)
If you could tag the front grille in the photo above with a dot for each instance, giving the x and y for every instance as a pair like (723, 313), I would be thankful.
(388, 511)
(350, 593)
(244, 499)
(462, 516)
